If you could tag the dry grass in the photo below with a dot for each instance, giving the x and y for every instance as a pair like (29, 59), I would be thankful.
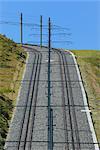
(12, 59)
(89, 64)
(12, 63)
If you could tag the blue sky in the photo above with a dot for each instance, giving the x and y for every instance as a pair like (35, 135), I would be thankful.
(82, 18)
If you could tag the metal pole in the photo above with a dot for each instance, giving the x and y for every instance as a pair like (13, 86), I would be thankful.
(41, 31)
(21, 29)
(49, 92)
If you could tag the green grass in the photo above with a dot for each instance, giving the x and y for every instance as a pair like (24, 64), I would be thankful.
(12, 63)
(89, 64)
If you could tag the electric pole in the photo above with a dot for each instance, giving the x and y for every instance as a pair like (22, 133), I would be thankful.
(50, 111)
(49, 92)
(41, 31)
(21, 29)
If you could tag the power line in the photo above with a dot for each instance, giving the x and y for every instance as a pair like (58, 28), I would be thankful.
(34, 26)
(69, 42)
(64, 34)
(17, 23)
(57, 31)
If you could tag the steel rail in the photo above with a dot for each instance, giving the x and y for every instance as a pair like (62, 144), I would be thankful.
(34, 70)
(30, 108)
(21, 129)
(69, 110)
(73, 108)
(68, 99)
(63, 103)
(34, 109)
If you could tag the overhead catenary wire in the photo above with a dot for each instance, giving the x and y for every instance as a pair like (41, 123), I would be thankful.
(17, 23)
(68, 42)
(64, 34)
(57, 31)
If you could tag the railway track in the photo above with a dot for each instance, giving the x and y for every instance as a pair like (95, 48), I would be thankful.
(27, 126)
(63, 101)
(71, 109)
(71, 102)
(66, 107)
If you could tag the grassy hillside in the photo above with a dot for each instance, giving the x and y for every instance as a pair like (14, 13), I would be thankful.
(12, 58)
(89, 64)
